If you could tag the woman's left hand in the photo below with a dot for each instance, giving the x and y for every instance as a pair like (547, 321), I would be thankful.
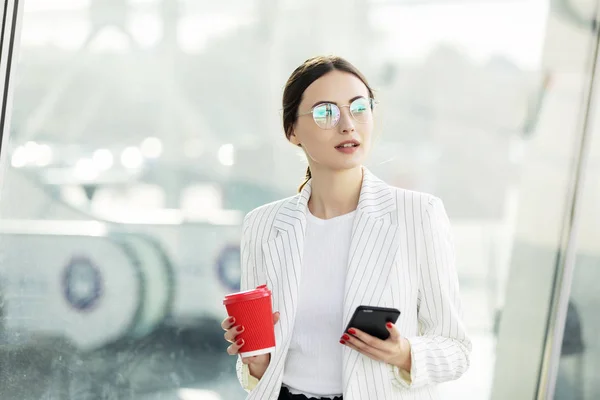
(395, 350)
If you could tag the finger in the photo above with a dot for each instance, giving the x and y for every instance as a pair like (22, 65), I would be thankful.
(361, 350)
(227, 323)
(232, 333)
(276, 316)
(394, 332)
(360, 346)
(248, 360)
(356, 343)
(234, 348)
(369, 340)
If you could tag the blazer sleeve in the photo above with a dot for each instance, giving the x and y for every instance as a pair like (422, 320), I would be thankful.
(442, 350)
(249, 280)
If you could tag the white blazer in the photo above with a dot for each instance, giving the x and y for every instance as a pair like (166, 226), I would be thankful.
(401, 256)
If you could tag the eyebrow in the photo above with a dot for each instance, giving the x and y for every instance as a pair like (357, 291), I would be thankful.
(333, 102)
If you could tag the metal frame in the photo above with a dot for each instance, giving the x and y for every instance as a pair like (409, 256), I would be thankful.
(10, 26)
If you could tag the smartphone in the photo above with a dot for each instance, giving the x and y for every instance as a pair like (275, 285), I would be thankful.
(372, 320)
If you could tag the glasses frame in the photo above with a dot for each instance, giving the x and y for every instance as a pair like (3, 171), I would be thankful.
(372, 103)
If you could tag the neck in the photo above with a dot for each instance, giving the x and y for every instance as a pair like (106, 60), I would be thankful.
(335, 193)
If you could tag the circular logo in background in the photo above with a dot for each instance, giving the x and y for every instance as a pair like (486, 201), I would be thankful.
(82, 283)
(229, 268)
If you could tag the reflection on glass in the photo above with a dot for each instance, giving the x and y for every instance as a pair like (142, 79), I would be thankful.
(580, 351)
(159, 124)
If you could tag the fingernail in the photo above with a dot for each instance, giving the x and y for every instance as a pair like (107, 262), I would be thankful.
(239, 328)
(239, 342)
(345, 337)
(231, 320)
(352, 331)
(389, 325)
(342, 342)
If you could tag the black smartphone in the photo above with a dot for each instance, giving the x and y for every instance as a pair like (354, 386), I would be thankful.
(372, 320)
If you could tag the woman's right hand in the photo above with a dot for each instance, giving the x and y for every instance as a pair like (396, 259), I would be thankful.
(257, 364)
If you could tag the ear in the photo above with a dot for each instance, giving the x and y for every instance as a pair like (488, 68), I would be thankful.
(294, 139)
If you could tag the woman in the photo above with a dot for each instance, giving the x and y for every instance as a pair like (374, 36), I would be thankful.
(348, 239)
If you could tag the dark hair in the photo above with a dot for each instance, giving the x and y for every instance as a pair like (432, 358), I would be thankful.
(302, 77)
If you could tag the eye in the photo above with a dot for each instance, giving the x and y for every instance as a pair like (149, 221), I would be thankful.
(326, 115)
(360, 106)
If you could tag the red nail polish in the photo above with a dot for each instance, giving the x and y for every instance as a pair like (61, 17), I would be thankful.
(389, 325)
(342, 342)
(231, 320)
(345, 337)
(239, 328)
(352, 331)
(239, 342)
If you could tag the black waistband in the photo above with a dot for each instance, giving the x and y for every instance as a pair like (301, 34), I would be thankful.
(285, 394)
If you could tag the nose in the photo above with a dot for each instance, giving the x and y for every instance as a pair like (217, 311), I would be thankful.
(346, 124)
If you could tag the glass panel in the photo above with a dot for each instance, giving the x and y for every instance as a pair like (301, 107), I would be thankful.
(546, 198)
(143, 131)
(580, 352)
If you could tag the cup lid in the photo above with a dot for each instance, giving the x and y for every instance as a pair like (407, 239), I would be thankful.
(252, 294)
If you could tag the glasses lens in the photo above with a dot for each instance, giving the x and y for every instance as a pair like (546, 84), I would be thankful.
(361, 109)
(326, 115)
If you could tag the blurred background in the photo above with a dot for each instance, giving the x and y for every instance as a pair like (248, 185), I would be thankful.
(142, 131)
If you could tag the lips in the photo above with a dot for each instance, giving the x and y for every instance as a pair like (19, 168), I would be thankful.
(348, 144)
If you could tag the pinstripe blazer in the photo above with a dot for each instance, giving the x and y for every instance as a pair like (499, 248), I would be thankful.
(401, 256)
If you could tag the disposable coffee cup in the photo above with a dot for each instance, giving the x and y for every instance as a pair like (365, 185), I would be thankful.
(252, 309)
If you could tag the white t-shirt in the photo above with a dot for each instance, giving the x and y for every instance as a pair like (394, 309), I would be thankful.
(314, 362)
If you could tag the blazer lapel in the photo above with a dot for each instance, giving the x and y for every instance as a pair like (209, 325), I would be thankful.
(283, 256)
(283, 262)
(373, 251)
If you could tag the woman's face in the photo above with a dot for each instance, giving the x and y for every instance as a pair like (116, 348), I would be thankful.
(325, 148)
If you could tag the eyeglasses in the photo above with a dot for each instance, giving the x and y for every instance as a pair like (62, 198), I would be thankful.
(327, 115)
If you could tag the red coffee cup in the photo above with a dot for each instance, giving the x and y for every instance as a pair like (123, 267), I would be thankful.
(252, 309)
